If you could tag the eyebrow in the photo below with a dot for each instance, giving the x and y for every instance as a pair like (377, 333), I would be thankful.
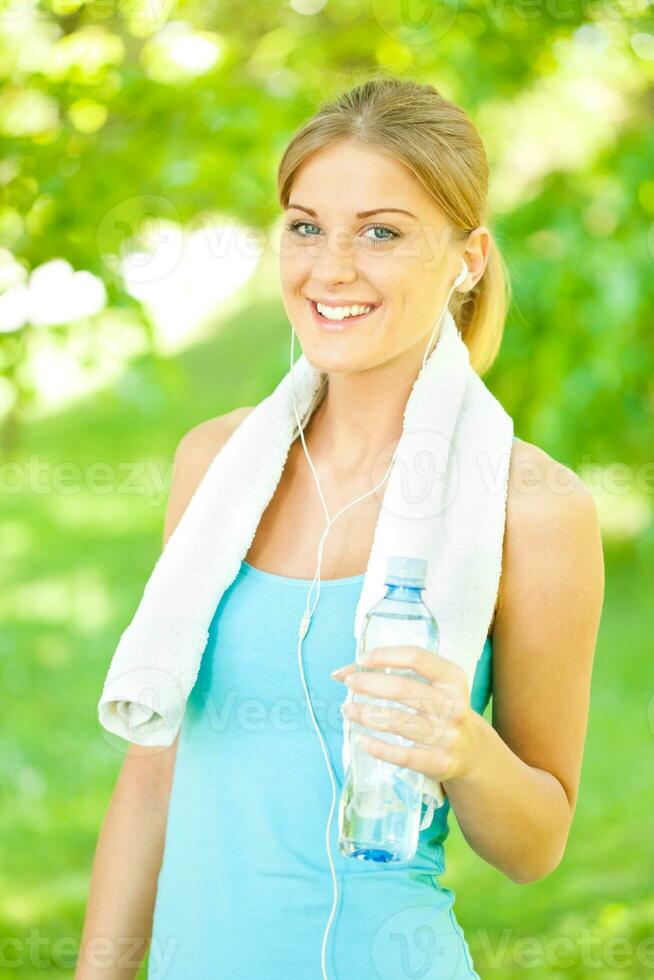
(360, 214)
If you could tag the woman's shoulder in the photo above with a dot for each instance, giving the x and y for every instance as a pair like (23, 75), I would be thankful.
(195, 451)
(208, 437)
(551, 517)
(539, 484)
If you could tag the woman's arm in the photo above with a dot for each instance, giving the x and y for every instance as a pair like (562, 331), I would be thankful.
(130, 846)
(515, 805)
(512, 785)
(126, 866)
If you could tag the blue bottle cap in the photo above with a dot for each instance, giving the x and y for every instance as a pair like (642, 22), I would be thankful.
(404, 570)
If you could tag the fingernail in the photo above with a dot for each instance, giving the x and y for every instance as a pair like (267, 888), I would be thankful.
(339, 670)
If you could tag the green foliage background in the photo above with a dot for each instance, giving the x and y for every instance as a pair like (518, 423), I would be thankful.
(96, 121)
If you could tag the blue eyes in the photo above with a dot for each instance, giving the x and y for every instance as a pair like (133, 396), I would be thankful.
(294, 226)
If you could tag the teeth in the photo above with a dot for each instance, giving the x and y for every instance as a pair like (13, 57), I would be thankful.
(341, 312)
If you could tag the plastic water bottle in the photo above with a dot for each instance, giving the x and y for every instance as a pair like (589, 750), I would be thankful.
(380, 805)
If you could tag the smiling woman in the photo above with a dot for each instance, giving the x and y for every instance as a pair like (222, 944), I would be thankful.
(401, 270)
(422, 168)
(243, 889)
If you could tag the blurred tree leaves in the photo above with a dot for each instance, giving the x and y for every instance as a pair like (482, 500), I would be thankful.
(135, 107)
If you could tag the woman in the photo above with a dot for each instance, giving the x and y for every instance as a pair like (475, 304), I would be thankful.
(384, 194)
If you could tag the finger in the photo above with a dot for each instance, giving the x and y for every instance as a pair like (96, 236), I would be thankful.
(417, 757)
(376, 683)
(341, 672)
(416, 726)
(431, 665)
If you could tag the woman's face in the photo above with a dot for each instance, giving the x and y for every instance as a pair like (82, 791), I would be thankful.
(402, 264)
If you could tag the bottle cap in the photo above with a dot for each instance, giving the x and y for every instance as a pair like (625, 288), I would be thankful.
(403, 570)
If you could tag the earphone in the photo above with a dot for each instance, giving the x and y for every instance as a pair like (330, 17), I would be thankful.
(462, 275)
(308, 612)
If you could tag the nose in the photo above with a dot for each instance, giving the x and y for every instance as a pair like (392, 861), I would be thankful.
(336, 262)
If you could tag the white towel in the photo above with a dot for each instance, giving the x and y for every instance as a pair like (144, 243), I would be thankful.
(445, 501)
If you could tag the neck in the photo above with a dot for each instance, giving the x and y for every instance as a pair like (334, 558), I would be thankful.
(359, 420)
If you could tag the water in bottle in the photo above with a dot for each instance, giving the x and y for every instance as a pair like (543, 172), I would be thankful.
(380, 806)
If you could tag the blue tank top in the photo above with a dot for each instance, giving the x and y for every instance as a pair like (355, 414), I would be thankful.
(244, 890)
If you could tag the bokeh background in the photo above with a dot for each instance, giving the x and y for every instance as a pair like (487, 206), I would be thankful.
(139, 142)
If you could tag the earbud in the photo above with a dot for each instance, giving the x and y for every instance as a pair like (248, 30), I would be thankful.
(462, 275)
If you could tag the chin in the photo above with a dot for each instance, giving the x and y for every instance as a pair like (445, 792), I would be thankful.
(331, 363)
(353, 362)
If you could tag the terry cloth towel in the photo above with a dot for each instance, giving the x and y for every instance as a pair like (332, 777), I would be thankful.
(445, 501)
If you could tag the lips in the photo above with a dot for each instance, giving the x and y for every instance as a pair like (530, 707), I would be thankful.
(336, 326)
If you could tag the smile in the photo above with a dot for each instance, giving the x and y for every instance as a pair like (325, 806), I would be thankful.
(342, 323)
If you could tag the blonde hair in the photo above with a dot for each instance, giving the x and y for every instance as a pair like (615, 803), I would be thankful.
(438, 142)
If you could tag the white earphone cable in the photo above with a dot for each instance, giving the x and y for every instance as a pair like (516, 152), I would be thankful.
(308, 612)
